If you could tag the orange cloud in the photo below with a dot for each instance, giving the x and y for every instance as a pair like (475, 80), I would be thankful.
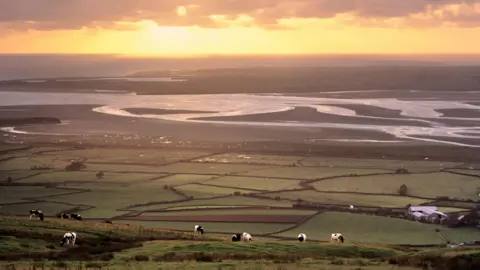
(123, 14)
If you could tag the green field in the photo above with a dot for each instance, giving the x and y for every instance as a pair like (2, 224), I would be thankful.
(127, 156)
(238, 201)
(138, 180)
(48, 208)
(202, 191)
(346, 199)
(246, 211)
(16, 194)
(181, 179)
(64, 176)
(260, 183)
(108, 198)
(94, 167)
(201, 168)
(374, 229)
(218, 227)
(25, 163)
(252, 159)
(392, 165)
(15, 175)
(308, 172)
(428, 185)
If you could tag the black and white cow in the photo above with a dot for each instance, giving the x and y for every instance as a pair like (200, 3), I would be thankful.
(76, 216)
(64, 215)
(337, 237)
(69, 238)
(37, 213)
(198, 229)
(302, 237)
(246, 237)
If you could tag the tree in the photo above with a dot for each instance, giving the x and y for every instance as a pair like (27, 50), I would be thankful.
(402, 190)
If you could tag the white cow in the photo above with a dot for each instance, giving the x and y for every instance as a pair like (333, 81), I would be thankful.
(69, 237)
(246, 237)
(337, 237)
(302, 237)
(198, 229)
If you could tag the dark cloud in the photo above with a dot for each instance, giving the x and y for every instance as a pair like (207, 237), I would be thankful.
(75, 14)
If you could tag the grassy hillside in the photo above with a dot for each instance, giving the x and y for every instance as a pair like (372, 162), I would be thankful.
(26, 243)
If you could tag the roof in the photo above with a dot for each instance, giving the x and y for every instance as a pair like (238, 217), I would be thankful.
(418, 214)
(426, 209)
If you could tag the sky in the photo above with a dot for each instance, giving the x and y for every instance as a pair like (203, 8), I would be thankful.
(206, 27)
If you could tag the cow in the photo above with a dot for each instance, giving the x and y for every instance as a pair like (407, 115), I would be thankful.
(302, 237)
(246, 237)
(76, 216)
(337, 237)
(64, 215)
(198, 229)
(236, 237)
(69, 237)
(37, 213)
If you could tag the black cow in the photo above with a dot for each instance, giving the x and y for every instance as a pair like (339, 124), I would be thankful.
(236, 237)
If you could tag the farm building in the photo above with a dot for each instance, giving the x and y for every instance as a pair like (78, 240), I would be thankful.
(426, 213)
(471, 218)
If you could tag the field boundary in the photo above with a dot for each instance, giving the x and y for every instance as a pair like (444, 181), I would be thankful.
(296, 225)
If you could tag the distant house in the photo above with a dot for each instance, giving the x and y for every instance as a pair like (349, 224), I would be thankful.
(426, 213)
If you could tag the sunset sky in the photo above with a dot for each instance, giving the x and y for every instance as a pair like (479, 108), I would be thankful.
(193, 27)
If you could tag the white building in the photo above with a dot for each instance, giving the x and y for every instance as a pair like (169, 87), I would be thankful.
(427, 213)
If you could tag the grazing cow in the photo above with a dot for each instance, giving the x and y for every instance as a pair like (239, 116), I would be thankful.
(198, 229)
(76, 216)
(302, 237)
(246, 237)
(108, 221)
(63, 215)
(337, 237)
(37, 213)
(236, 237)
(69, 237)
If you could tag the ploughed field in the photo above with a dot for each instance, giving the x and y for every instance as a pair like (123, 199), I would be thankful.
(265, 195)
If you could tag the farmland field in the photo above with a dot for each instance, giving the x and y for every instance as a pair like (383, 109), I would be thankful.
(203, 191)
(180, 179)
(428, 185)
(124, 178)
(49, 208)
(13, 194)
(308, 172)
(252, 159)
(260, 183)
(234, 201)
(128, 156)
(218, 227)
(346, 199)
(179, 190)
(246, 211)
(206, 168)
(377, 229)
(417, 166)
